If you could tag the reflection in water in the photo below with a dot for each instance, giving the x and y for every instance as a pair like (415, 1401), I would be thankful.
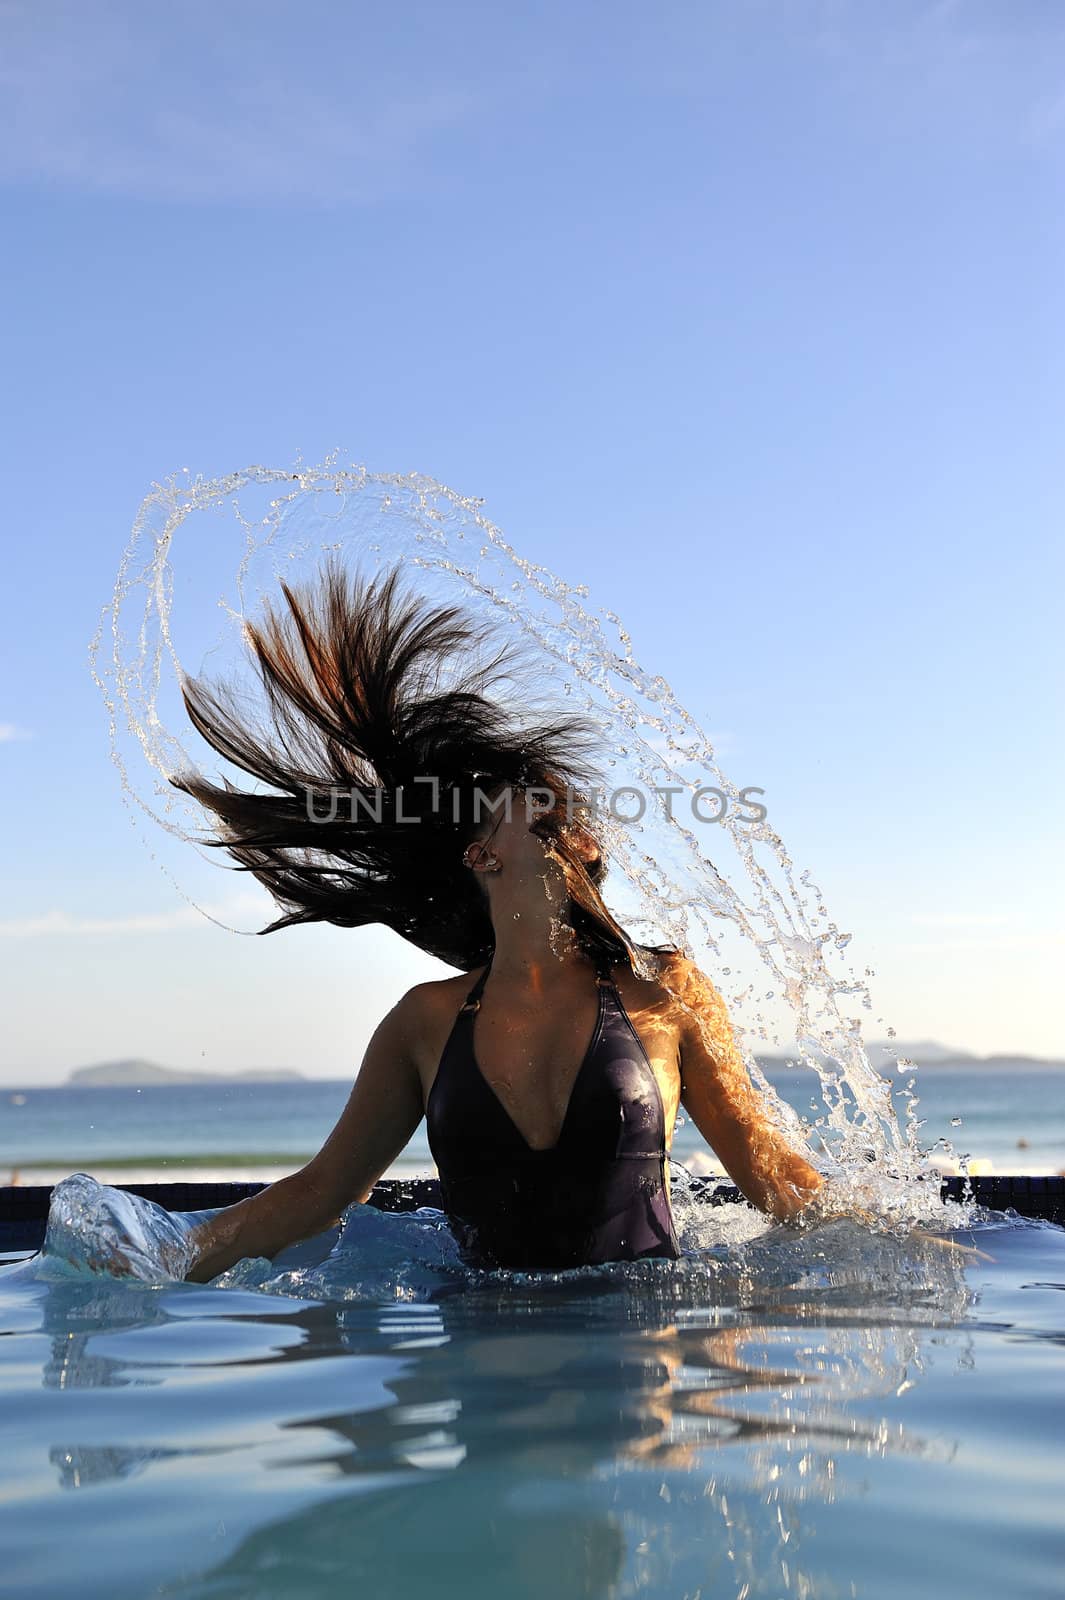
(678, 1427)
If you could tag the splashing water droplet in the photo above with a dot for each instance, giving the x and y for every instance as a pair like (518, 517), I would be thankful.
(722, 889)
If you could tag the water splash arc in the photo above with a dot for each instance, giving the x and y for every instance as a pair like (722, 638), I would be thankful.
(733, 900)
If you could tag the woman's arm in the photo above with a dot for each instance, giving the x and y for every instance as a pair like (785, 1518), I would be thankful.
(383, 1110)
(718, 1095)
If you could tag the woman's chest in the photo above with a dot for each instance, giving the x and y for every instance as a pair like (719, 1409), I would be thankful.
(520, 1083)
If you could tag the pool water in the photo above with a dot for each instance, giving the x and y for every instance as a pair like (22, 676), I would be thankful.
(834, 1412)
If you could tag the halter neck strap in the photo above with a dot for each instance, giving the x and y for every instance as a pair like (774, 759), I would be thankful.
(473, 999)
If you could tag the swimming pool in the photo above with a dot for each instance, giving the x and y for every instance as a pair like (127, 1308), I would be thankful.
(825, 1413)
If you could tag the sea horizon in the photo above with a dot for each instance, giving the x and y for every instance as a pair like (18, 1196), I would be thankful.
(228, 1130)
(883, 1055)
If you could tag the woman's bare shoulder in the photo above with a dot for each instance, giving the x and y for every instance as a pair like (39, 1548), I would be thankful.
(654, 994)
(679, 978)
(428, 1011)
(436, 996)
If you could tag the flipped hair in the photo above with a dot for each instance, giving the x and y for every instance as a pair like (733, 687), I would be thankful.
(353, 684)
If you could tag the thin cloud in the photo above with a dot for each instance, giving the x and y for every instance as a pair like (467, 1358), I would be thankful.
(64, 922)
(92, 97)
(971, 66)
(68, 924)
(10, 733)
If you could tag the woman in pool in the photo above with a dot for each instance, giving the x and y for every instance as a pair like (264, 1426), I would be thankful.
(550, 1071)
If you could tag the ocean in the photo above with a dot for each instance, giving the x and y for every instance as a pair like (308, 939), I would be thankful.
(828, 1414)
(832, 1414)
(1012, 1120)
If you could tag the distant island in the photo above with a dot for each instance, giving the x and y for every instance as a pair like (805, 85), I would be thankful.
(925, 1052)
(114, 1074)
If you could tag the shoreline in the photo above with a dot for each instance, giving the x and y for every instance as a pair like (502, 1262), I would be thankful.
(698, 1164)
(105, 1172)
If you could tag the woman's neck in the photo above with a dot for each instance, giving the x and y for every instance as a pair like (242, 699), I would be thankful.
(533, 948)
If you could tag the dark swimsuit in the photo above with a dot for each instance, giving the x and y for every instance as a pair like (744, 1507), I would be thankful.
(597, 1195)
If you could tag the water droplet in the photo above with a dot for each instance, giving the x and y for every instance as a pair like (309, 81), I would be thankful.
(679, 896)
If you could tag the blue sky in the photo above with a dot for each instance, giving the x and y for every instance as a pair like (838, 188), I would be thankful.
(748, 316)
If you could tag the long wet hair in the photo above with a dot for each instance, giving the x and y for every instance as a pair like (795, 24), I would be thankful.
(360, 711)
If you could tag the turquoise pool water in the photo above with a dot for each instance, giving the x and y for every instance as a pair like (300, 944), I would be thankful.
(832, 1413)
